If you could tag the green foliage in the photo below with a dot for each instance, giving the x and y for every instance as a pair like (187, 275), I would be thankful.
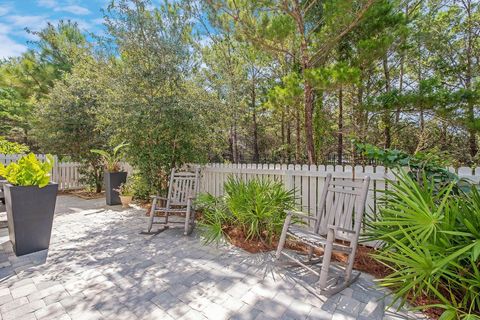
(256, 207)
(431, 241)
(431, 164)
(142, 189)
(28, 171)
(112, 160)
(72, 106)
(91, 176)
(27, 79)
(150, 101)
(7, 147)
(128, 188)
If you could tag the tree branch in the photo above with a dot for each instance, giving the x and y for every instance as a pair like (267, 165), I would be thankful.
(325, 49)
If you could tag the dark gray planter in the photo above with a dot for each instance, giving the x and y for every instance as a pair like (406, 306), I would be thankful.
(113, 180)
(30, 216)
(2, 194)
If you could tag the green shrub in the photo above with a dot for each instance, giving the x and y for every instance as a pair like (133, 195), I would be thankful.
(28, 171)
(141, 188)
(7, 147)
(256, 207)
(433, 165)
(431, 241)
(91, 175)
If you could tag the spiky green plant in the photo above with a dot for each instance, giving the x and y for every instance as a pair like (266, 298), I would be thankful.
(431, 241)
(256, 207)
(112, 160)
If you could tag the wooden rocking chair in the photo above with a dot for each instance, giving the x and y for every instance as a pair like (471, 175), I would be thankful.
(182, 190)
(336, 228)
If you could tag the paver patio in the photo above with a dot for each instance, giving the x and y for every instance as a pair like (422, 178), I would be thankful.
(100, 267)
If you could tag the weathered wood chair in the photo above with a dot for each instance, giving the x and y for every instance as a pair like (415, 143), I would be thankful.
(182, 190)
(336, 228)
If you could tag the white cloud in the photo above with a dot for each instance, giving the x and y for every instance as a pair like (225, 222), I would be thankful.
(26, 21)
(82, 24)
(98, 21)
(4, 9)
(9, 47)
(56, 6)
(78, 10)
(47, 3)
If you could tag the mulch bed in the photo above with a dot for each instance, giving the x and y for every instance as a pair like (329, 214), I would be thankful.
(363, 261)
(84, 194)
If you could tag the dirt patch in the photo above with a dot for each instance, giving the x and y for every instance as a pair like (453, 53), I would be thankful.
(84, 194)
(363, 259)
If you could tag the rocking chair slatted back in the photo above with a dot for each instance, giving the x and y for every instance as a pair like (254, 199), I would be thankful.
(182, 186)
(342, 205)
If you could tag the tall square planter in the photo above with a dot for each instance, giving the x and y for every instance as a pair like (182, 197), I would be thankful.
(113, 180)
(30, 213)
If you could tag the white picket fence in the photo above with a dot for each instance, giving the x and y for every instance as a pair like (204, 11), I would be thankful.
(66, 174)
(308, 181)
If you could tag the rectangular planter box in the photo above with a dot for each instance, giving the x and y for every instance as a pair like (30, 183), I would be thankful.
(30, 216)
(113, 180)
(2, 194)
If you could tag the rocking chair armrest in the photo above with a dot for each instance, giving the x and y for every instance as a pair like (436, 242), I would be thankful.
(337, 229)
(300, 215)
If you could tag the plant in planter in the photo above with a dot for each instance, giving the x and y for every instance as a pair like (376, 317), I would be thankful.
(113, 176)
(30, 202)
(126, 192)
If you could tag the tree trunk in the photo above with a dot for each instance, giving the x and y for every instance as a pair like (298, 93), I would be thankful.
(472, 139)
(256, 154)
(340, 127)
(298, 146)
(386, 115)
(309, 108)
(402, 68)
(289, 143)
(422, 121)
(282, 125)
(235, 143)
(97, 172)
(230, 146)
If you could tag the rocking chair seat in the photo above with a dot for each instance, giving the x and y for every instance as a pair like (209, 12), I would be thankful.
(313, 239)
(170, 210)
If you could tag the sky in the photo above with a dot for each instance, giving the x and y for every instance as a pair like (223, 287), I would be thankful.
(16, 15)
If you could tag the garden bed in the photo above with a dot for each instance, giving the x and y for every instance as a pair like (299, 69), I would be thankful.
(83, 194)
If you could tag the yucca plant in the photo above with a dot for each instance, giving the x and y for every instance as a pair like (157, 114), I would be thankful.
(431, 241)
(256, 207)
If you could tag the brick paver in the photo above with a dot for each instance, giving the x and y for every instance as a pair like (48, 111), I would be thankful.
(100, 267)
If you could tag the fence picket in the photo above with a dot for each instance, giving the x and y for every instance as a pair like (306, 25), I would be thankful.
(307, 181)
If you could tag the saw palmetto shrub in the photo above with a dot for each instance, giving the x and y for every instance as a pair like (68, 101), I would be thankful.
(256, 208)
(431, 242)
